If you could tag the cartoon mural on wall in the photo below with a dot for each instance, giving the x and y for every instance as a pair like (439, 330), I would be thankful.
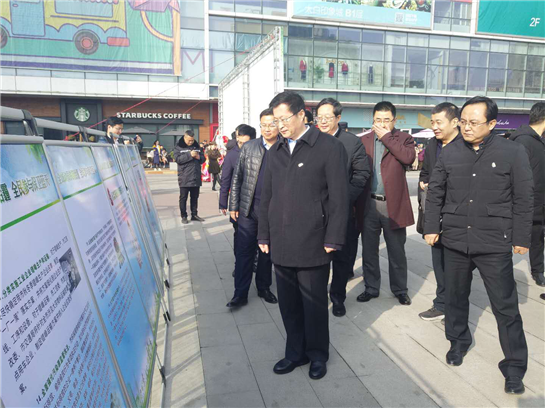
(104, 35)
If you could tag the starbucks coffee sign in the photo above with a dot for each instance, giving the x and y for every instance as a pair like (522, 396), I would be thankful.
(82, 114)
(153, 115)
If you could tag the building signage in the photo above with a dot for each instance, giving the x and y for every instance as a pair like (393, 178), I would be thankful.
(152, 115)
(514, 17)
(82, 114)
(511, 121)
(405, 13)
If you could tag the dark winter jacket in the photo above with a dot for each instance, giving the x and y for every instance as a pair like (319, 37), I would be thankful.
(535, 147)
(398, 153)
(189, 169)
(430, 158)
(359, 168)
(228, 167)
(245, 176)
(484, 197)
(304, 202)
(213, 165)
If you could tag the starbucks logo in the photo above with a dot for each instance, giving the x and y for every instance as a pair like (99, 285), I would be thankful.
(82, 114)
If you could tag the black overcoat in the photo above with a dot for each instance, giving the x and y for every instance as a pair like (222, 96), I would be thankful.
(482, 201)
(189, 169)
(304, 201)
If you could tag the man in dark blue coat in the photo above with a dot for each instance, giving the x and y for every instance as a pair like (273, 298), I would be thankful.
(480, 200)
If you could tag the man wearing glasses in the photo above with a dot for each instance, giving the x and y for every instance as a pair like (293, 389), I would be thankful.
(480, 199)
(385, 205)
(302, 219)
(244, 203)
(329, 114)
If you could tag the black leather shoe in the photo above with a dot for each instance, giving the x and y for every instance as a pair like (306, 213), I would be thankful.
(286, 366)
(455, 357)
(237, 302)
(365, 297)
(267, 296)
(184, 220)
(196, 218)
(404, 299)
(539, 279)
(514, 385)
(339, 309)
(318, 369)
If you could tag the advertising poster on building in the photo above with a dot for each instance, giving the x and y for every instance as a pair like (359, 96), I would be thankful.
(143, 207)
(131, 238)
(524, 18)
(53, 350)
(107, 266)
(404, 13)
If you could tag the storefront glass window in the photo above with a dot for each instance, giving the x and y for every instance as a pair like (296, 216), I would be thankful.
(349, 74)
(496, 80)
(478, 59)
(373, 36)
(498, 60)
(275, 7)
(193, 66)
(477, 80)
(325, 49)
(395, 53)
(457, 79)
(300, 71)
(373, 52)
(515, 82)
(349, 50)
(372, 74)
(394, 76)
(325, 73)
(349, 34)
(222, 23)
(192, 14)
(221, 5)
(246, 25)
(248, 6)
(192, 38)
(299, 47)
(222, 41)
(416, 77)
(246, 42)
(221, 63)
(437, 79)
(416, 55)
(533, 83)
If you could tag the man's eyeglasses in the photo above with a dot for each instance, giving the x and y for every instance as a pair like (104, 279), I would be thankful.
(380, 121)
(472, 125)
(267, 125)
(326, 119)
(276, 122)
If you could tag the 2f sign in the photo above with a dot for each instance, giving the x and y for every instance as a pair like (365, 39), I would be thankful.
(534, 21)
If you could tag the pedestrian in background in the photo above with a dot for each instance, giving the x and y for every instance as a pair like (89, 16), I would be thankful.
(214, 169)
(189, 157)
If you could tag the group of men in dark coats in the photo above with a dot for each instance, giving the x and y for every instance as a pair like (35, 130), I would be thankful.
(307, 193)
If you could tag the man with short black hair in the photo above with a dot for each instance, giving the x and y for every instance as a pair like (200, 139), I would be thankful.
(480, 200)
(444, 123)
(189, 157)
(302, 219)
(244, 202)
(329, 113)
(385, 205)
(114, 128)
(531, 137)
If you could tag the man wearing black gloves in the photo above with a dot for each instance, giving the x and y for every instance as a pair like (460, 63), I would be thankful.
(532, 138)
(329, 114)
(444, 123)
(302, 219)
(480, 200)
(244, 203)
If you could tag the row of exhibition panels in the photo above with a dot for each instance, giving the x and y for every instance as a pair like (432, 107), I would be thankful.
(84, 269)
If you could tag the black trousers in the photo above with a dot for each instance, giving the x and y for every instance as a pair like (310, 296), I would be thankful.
(215, 179)
(438, 262)
(376, 221)
(194, 201)
(302, 298)
(536, 249)
(497, 273)
(245, 253)
(343, 263)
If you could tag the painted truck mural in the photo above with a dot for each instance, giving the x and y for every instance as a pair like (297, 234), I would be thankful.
(104, 35)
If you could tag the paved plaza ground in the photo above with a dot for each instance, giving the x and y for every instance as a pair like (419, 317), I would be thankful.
(381, 353)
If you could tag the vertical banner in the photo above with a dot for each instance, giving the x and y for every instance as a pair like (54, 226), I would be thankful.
(109, 270)
(54, 352)
(130, 233)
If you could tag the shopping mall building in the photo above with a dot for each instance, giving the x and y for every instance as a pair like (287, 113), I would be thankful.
(158, 63)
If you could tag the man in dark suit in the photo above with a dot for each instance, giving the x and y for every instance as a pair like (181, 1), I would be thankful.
(302, 220)
(444, 123)
(385, 204)
(480, 200)
(531, 136)
(329, 114)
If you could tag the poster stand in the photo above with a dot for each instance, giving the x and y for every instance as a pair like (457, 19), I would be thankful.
(159, 274)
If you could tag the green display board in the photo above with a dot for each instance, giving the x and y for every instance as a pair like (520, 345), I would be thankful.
(524, 18)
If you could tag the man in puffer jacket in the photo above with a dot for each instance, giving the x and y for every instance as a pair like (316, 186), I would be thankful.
(244, 207)
(531, 136)
(189, 157)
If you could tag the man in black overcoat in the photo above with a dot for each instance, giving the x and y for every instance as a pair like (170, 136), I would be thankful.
(302, 220)
(531, 137)
(480, 200)
(329, 114)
